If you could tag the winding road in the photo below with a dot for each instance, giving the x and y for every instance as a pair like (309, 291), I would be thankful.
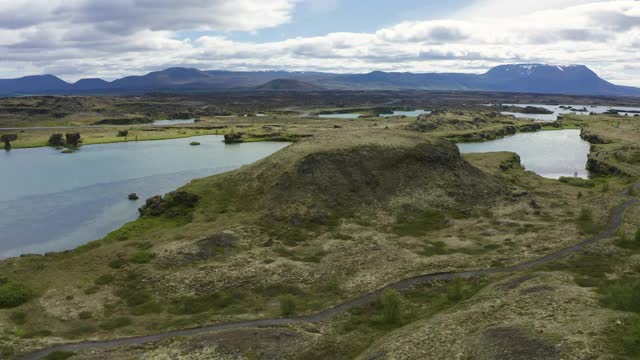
(614, 223)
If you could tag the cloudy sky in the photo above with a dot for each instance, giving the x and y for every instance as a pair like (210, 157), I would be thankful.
(110, 39)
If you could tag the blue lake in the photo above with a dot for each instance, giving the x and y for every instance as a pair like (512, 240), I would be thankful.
(51, 201)
(174, 122)
(412, 113)
(570, 109)
(551, 154)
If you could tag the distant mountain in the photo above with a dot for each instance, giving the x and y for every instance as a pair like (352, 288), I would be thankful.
(526, 78)
(288, 85)
(36, 84)
(91, 84)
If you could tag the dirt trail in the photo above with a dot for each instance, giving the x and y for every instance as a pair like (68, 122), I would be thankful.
(614, 223)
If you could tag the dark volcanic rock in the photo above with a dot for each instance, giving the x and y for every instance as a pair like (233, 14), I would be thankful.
(592, 138)
(214, 244)
(233, 138)
(7, 139)
(56, 140)
(133, 196)
(173, 204)
(73, 139)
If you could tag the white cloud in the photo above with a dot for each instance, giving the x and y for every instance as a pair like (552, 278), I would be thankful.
(104, 40)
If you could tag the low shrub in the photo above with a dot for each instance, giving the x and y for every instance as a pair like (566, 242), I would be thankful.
(13, 294)
(118, 263)
(104, 279)
(142, 257)
(59, 355)
(575, 181)
(586, 222)
(188, 305)
(85, 315)
(416, 223)
(391, 304)
(18, 317)
(115, 323)
(621, 294)
(287, 305)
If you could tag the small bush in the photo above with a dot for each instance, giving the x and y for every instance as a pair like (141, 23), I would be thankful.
(586, 223)
(142, 257)
(18, 317)
(59, 355)
(416, 223)
(151, 307)
(85, 315)
(189, 305)
(631, 338)
(622, 294)
(458, 291)
(287, 305)
(391, 303)
(6, 350)
(13, 294)
(118, 263)
(115, 323)
(104, 279)
(133, 295)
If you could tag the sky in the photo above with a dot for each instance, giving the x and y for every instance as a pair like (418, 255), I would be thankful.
(76, 39)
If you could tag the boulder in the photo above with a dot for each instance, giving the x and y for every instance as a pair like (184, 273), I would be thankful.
(73, 139)
(56, 140)
(213, 244)
(233, 138)
(133, 196)
(7, 139)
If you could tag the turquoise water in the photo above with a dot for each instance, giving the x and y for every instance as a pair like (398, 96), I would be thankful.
(340, 116)
(557, 111)
(174, 122)
(51, 201)
(413, 113)
(551, 154)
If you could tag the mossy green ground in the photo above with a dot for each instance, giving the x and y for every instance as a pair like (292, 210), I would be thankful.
(137, 280)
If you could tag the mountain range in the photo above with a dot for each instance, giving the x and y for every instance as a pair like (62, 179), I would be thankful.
(522, 78)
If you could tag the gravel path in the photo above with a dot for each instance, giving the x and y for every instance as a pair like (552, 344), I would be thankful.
(614, 224)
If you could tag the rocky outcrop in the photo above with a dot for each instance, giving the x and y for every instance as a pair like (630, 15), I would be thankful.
(73, 139)
(133, 196)
(513, 163)
(598, 166)
(592, 138)
(533, 127)
(173, 204)
(233, 138)
(7, 139)
(56, 140)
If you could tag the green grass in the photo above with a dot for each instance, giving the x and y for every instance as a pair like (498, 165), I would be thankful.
(189, 305)
(417, 223)
(574, 181)
(115, 323)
